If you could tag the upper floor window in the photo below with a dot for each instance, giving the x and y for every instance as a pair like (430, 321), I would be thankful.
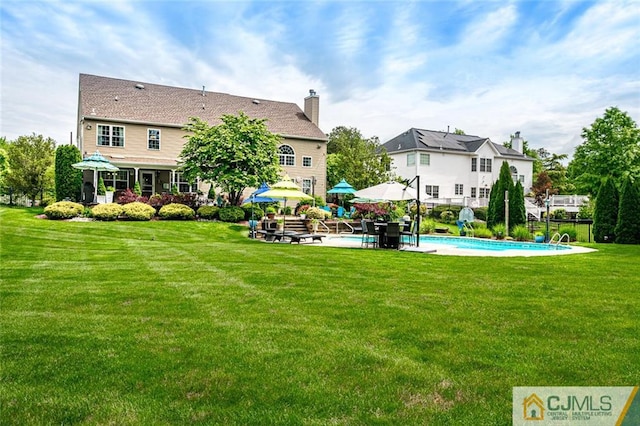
(306, 161)
(425, 159)
(474, 164)
(485, 165)
(411, 159)
(287, 155)
(110, 135)
(153, 139)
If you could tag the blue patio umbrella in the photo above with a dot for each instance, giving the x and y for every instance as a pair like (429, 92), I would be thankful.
(255, 197)
(343, 187)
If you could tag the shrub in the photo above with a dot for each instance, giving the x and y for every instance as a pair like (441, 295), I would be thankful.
(317, 213)
(302, 208)
(521, 233)
(605, 213)
(286, 210)
(499, 230)
(231, 214)
(482, 232)
(129, 196)
(102, 190)
(271, 210)
(257, 211)
(208, 212)
(559, 214)
(136, 188)
(138, 211)
(427, 226)
(447, 216)
(109, 211)
(480, 213)
(585, 211)
(570, 231)
(176, 211)
(63, 210)
(414, 208)
(437, 211)
(68, 179)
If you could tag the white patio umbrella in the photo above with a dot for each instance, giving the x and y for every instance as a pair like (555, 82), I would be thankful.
(389, 191)
(97, 163)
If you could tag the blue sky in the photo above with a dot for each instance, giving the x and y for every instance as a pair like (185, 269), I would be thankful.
(490, 68)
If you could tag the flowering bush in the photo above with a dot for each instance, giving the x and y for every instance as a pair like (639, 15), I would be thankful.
(109, 211)
(374, 210)
(63, 210)
(176, 211)
(138, 211)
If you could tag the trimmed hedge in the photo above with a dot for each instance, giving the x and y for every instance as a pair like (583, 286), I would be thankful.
(63, 210)
(108, 211)
(258, 213)
(231, 214)
(138, 211)
(176, 211)
(208, 212)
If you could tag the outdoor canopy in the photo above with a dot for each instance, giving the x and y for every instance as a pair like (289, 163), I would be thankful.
(97, 163)
(343, 187)
(257, 197)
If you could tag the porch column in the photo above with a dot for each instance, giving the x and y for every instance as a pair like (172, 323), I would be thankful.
(136, 172)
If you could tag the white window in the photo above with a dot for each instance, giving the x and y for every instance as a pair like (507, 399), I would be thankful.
(433, 190)
(474, 164)
(485, 165)
(287, 155)
(484, 192)
(184, 185)
(425, 159)
(411, 159)
(110, 135)
(306, 186)
(459, 189)
(153, 139)
(119, 180)
(306, 161)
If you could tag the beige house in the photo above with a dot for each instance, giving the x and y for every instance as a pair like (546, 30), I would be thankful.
(138, 126)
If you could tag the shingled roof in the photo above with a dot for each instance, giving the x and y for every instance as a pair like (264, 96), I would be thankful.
(134, 101)
(429, 140)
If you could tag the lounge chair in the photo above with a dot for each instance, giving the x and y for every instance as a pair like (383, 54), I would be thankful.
(299, 237)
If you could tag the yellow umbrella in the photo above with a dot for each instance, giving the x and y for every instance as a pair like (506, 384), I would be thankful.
(285, 189)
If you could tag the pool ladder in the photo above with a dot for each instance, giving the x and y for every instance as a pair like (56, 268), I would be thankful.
(561, 238)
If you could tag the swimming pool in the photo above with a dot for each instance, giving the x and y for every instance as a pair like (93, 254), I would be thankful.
(466, 246)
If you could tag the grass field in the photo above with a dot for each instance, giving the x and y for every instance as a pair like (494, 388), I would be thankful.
(193, 323)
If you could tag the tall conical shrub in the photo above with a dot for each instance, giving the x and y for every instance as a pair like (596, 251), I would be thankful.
(605, 214)
(628, 225)
(496, 198)
(68, 180)
(517, 210)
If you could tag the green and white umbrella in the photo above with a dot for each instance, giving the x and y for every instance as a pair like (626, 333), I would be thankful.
(286, 190)
(97, 163)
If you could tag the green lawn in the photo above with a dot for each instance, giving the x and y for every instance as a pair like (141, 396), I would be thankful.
(192, 322)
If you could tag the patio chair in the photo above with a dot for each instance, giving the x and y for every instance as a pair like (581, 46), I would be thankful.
(409, 232)
(393, 235)
(340, 212)
(369, 234)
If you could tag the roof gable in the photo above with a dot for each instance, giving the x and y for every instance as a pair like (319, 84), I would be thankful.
(116, 99)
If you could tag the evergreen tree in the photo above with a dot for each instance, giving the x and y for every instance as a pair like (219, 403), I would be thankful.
(628, 226)
(102, 189)
(68, 180)
(496, 198)
(517, 210)
(136, 188)
(492, 206)
(605, 214)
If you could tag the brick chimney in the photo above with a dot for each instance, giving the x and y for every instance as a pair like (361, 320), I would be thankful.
(312, 106)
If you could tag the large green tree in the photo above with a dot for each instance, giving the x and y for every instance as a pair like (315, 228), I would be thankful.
(68, 179)
(628, 225)
(4, 163)
(238, 153)
(362, 162)
(553, 166)
(29, 157)
(605, 213)
(517, 209)
(611, 147)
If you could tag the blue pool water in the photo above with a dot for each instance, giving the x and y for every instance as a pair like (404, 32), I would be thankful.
(485, 244)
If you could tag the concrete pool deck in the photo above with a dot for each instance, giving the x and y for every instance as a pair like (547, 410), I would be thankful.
(448, 250)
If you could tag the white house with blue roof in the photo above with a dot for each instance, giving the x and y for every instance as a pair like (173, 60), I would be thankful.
(457, 169)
